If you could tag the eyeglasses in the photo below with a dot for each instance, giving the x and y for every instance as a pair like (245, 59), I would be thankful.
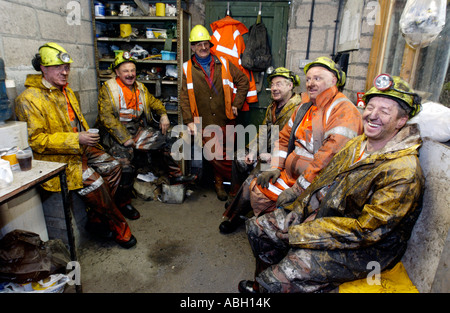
(202, 44)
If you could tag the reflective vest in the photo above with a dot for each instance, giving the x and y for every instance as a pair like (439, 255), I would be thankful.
(227, 82)
(324, 130)
(229, 43)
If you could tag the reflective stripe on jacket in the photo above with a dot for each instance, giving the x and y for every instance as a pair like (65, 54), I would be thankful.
(50, 134)
(335, 120)
(206, 97)
(228, 42)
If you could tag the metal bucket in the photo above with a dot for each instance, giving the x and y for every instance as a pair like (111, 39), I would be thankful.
(173, 193)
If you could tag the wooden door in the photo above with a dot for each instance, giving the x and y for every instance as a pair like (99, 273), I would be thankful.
(275, 17)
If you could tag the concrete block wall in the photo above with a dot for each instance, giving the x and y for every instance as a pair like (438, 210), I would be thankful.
(28, 24)
(322, 39)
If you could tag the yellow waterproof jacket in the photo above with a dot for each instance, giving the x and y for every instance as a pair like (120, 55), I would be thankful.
(50, 134)
(374, 202)
(108, 109)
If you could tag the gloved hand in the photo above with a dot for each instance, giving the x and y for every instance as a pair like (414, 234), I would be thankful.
(265, 177)
(292, 219)
(289, 195)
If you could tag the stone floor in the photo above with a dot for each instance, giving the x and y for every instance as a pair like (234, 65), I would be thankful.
(179, 249)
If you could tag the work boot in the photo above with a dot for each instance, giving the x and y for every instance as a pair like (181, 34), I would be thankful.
(220, 190)
(130, 212)
(248, 286)
(128, 244)
(229, 226)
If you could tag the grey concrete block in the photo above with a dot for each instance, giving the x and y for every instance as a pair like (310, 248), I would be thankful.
(429, 235)
(18, 20)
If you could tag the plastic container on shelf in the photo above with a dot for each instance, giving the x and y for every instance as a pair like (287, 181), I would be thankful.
(168, 55)
(160, 9)
(160, 33)
(99, 9)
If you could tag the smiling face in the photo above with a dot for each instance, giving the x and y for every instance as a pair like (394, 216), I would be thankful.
(281, 89)
(127, 73)
(382, 119)
(56, 75)
(202, 49)
(318, 79)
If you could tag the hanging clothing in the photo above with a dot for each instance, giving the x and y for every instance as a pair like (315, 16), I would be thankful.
(229, 43)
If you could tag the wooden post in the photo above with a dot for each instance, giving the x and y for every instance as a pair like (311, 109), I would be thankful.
(379, 41)
(409, 64)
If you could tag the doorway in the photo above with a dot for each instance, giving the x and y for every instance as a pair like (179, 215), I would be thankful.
(275, 17)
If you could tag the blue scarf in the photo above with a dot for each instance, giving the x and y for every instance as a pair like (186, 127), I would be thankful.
(205, 63)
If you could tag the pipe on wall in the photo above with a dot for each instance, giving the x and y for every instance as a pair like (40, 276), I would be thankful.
(311, 20)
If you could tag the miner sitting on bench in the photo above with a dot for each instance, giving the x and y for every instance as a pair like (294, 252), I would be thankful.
(360, 208)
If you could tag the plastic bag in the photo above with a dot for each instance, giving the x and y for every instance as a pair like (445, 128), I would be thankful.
(434, 121)
(171, 70)
(6, 175)
(422, 21)
(138, 52)
(52, 284)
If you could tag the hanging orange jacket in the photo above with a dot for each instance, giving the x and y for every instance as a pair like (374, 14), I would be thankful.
(229, 43)
(228, 88)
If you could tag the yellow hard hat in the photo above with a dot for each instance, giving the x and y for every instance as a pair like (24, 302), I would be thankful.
(199, 33)
(284, 72)
(122, 57)
(329, 65)
(53, 54)
(396, 88)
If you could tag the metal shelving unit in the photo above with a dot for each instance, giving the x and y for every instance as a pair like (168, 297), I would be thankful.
(107, 34)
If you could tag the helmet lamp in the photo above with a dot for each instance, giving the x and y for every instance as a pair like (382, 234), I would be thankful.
(383, 82)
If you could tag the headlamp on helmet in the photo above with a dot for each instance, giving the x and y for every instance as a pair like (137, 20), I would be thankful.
(383, 82)
(53, 54)
(396, 88)
(122, 57)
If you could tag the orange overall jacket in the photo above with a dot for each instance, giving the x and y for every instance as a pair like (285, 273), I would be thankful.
(229, 43)
(325, 129)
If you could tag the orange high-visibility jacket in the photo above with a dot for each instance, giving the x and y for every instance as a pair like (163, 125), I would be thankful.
(228, 87)
(229, 43)
(324, 130)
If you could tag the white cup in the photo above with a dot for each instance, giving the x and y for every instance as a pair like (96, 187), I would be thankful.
(93, 130)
